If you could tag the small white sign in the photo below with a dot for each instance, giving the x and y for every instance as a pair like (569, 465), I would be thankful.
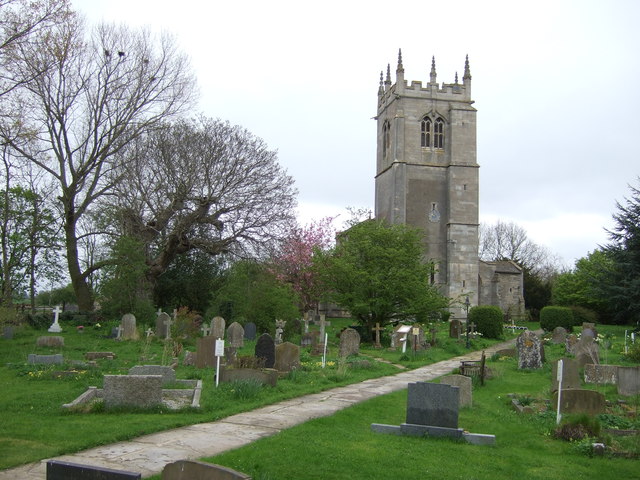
(560, 368)
(219, 352)
(416, 331)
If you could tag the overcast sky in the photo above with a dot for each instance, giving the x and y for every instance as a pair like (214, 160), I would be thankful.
(555, 85)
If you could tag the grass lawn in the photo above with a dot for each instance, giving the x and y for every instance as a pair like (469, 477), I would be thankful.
(34, 426)
(343, 447)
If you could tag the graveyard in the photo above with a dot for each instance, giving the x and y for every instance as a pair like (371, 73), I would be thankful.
(47, 372)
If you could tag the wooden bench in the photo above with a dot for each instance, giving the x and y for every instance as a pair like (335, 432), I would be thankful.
(474, 368)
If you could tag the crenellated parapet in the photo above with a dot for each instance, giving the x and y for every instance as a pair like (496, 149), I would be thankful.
(456, 91)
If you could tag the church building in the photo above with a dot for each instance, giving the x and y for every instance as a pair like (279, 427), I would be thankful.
(427, 176)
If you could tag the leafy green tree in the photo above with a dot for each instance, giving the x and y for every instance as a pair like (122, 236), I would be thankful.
(251, 292)
(376, 272)
(585, 285)
(623, 289)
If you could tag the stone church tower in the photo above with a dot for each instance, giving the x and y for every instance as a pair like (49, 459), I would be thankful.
(427, 173)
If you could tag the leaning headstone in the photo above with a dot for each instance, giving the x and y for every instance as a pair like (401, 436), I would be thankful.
(132, 390)
(205, 352)
(433, 404)
(349, 343)
(195, 470)
(129, 332)
(570, 376)
(559, 335)
(266, 349)
(306, 340)
(235, 335)
(455, 328)
(464, 383)
(168, 374)
(287, 357)
(530, 350)
(33, 359)
(7, 332)
(218, 326)
(629, 380)
(570, 344)
(250, 331)
(601, 374)
(580, 401)
(54, 342)
(161, 325)
(59, 470)
(587, 351)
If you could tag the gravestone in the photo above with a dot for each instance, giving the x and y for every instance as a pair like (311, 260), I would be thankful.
(586, 351)
(590, 326)
(218, 326)
(601, 374)
(629, 380)
(530, 350)
(195, 470)
(317, 345)
(266, 349)
(589, 332)
(7, 332)
(132, 390)
(559, 335)
(99, 355)
(235, 335)
(570, 376)
(349, 343)
(279, 330)
(377, 329)
(205, 350)
(465, 385)
(189, 358)
(129, 330)
(580, 401)
(55, 326)
(417, 340)
(53, 342)
(434, 334)
(250, 331)
(455, 329)
(230, 355)
(287, 357)
(161, 325)
(570, 344)
(33, 359)
(59, 470)
(433, 404)
(168, 374)
(306, 340)
(205, 329)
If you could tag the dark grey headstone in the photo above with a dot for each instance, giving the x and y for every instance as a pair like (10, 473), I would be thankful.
(56, 359)
(433, 404)
(629, 380)
(266, 348)
(580, 401)
(132, 390)
(205, 352)
(57, 470)
(570, 375)
(250, 331)
(455, 329)
(7, 332)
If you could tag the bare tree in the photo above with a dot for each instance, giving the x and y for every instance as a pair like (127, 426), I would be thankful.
(508, 241)
(202, 185)
(99, 95)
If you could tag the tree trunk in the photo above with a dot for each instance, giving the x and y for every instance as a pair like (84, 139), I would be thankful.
(83, 293)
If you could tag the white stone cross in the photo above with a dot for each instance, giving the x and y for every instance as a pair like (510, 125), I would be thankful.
(159, 311)
(149, 332)
(206, 330)
(55, 326)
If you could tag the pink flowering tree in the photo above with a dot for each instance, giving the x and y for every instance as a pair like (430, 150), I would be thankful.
(294, 265)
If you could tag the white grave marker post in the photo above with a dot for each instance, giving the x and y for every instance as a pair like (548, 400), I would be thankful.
(219, 352)
(55, 326)
(633, 337)
(559, 378)
(404, 331)
(324, 352)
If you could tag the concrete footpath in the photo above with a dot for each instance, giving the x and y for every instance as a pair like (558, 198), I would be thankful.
(150, 453)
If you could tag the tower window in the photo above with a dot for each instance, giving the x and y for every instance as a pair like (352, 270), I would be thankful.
(425, 140)
(438, 136)
(386, 139)
(432, 133)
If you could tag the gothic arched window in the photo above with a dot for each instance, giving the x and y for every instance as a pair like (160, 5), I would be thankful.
(438, 134)
(425, 132)
(386, 139)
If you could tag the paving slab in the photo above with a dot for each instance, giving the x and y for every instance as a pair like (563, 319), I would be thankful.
(150, 453)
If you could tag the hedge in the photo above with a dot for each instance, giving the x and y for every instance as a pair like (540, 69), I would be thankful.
(488, 320)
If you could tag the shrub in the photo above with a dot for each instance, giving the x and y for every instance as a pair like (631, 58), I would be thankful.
(552, 317)
(578, 427)
(39, 321)
(488, 320)
(582, 315)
